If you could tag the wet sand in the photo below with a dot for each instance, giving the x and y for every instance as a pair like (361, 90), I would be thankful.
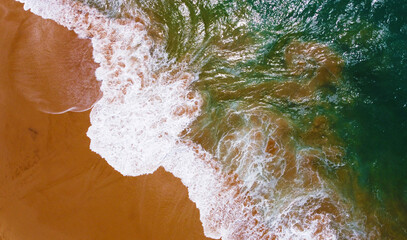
(51, 185)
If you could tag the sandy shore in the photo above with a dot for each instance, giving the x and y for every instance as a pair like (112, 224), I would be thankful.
(51, 185)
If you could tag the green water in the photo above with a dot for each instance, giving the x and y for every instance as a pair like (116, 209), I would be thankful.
(238, 52)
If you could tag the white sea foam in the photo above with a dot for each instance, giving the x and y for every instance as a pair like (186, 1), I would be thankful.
(294, 201)
(146, 104)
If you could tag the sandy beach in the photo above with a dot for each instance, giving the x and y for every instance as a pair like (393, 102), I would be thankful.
(52, 186)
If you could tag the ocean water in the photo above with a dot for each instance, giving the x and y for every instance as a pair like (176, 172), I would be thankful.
(285, 119)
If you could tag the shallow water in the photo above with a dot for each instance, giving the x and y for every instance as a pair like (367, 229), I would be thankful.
(284, 119)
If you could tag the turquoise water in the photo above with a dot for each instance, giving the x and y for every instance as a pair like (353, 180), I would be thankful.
(331, 75)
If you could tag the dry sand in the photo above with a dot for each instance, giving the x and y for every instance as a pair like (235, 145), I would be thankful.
(51, 185)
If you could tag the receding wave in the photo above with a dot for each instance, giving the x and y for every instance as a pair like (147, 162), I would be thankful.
(53, 69)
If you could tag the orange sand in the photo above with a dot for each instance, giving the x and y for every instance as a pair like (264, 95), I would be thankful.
(51, 185)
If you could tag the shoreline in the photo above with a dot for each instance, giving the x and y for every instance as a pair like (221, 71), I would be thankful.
(53, 186)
